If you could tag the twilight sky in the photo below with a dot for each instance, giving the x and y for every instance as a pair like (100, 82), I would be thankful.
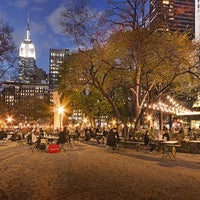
(45, 33)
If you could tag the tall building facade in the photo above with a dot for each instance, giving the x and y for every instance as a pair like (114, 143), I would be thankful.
(197, 20)
(27, 59)
(24, 100)
(56, 58)
(173, 15)
(29, 97)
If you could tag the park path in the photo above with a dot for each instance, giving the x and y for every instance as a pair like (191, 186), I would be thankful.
(88, 172)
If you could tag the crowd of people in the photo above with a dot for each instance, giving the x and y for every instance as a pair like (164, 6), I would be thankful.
(104, 135)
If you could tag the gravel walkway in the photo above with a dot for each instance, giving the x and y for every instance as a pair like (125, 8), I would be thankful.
(93, 173)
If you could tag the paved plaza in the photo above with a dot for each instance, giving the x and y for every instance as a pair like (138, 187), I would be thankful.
(92, 172)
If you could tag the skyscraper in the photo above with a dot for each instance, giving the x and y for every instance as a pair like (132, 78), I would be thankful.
(173, 15)
(27, 59)
(56, 58)
(197, 20)
(30, 95)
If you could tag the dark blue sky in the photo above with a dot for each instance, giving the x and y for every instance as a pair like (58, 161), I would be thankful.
(45, 32)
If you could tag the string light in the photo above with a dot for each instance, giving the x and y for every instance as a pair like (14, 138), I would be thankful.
(173, 107)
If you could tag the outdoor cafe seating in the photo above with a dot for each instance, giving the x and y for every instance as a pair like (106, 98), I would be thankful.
(169, 149)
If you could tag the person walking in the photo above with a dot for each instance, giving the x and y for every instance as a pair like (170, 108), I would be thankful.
(111, 139)
(67, 136)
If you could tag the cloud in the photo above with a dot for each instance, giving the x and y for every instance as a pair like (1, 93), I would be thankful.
(37, 9)
(51, 41)
(19, 4)
(3, 14)
(38, 28)
(39, 1)
(18, 38)
(54, 20)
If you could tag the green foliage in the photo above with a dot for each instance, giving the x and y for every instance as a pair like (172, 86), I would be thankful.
(150, 64)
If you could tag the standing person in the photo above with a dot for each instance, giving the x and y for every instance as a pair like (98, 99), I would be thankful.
(29, 138)
(76, 134)
(104, 135)
(66, 133)
(116, 133)
(62, 139)
(41, 132)
(111, 139)
(98, 135)
(146, 138)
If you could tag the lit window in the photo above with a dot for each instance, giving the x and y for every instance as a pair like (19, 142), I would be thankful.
(165, 1)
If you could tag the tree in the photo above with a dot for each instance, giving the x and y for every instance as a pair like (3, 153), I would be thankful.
(128, 14)
(7, 48)
(92, 104)
(83, 69)
(150, 64)
(159, 62)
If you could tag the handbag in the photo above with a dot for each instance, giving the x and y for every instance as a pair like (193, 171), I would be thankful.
(54, 148)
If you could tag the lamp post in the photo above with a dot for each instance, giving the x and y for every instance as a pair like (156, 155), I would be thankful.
(60, 111)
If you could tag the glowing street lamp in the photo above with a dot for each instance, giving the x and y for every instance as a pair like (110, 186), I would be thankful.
(114, 122)
(9, 120)
(85, 120)
(60, 111)
(149, 117)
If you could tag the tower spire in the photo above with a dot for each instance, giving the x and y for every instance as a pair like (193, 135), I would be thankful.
(28, 29)
(28, 20)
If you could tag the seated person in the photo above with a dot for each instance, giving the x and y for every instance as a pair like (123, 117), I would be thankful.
(147, 142)
(166, 135)
(13, 137)
(2, 134)
(40, 145)
(38, 142)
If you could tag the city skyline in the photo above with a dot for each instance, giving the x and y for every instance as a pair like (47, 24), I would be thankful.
(44, 28)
